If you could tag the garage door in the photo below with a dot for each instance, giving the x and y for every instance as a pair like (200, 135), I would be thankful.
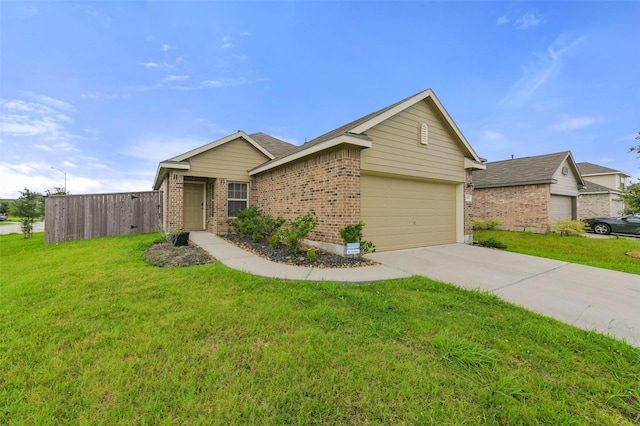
(401, 213)
(561, 207)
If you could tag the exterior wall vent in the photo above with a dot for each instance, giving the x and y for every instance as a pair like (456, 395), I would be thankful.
(424, 134)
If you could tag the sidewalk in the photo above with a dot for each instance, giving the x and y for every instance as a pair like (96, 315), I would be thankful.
(237, 258)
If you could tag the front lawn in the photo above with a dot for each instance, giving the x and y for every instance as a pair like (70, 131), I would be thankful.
(91, 334)
(608, 253)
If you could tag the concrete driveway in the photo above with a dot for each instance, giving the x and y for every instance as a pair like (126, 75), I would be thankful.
(589, 298)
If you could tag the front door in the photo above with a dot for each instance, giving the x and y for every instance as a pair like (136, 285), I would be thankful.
(193, 205)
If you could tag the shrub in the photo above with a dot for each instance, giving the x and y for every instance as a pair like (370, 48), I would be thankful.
(482, 224)
(295, 231)
(570, 227)
(274, 240)
(353, 234)
(311, 255)
(493, 243)
(252, 221)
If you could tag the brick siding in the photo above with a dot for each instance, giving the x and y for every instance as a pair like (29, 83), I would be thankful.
(327, 184)
(468, 205)
(523, 207)
(595, 205)
(174, 187)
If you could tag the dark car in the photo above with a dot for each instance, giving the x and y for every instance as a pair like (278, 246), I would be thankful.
(629, 224)
(3, 217)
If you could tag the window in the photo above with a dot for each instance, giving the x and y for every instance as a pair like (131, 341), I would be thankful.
(237, 199)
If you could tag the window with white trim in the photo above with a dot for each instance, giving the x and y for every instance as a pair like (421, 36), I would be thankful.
(237, 197)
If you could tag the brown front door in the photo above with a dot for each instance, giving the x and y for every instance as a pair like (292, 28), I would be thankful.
(193, 206)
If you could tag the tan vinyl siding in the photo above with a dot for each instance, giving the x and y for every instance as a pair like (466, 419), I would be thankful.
(565, 184)
(397, 149)
(403, 213)
(231, 160)
(610, 181)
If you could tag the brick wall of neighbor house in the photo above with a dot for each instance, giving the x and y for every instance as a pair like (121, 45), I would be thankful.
(174, 188)
(523, 207)
(327, 184)
(594, 205)
(468, 208)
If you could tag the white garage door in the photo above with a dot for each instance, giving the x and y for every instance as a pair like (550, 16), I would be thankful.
(401, 213)
(561, 207)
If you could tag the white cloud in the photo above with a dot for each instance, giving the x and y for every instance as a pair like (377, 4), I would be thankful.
(68, 164)
(246, 34)
(211, 83)
(502, 20)
(49, 101)
(527, 21)
(100, 95)
(25, 118)
(226, 42)
(546, 66)
(223, 82)
(574, 123)
(175, 78)
(149, 64)
(167, 47)
(43, 147)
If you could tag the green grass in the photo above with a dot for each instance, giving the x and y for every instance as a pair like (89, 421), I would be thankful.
(608, 253)
(91, 334)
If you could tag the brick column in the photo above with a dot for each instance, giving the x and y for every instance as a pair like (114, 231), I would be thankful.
(468, 208)
(175, 197)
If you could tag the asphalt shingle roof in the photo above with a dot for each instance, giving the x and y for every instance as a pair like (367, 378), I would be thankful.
(344, 129)
(519, 171)
(594, 169)
(591, 188)
(275, 146)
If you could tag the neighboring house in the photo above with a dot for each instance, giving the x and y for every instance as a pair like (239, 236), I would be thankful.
(528, 193)
(402, 170)
(602, 195)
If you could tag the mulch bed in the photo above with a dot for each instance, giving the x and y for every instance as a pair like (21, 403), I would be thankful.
(323, 259)
(166, 254)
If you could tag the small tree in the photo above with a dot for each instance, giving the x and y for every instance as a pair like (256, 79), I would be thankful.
(29, 208)
(632, 198)
(56, 191)
(636, 149)
(5, 207)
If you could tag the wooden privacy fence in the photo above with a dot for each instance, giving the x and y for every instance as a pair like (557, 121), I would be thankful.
(82, 217)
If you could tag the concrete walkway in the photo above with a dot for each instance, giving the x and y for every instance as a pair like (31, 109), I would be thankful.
(586, 297)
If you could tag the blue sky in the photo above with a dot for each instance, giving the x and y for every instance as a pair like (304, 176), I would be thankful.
(105, 90)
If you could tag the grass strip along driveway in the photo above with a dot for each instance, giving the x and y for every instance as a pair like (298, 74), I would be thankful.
(608, 253)
(91, 334)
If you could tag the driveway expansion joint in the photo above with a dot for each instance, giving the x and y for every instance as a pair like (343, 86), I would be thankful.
(493, 290)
